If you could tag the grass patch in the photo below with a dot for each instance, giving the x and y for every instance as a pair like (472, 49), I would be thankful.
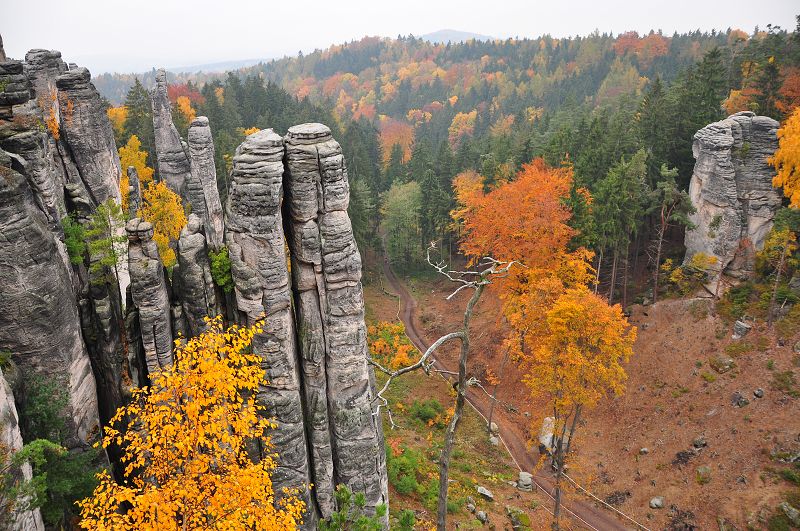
(708, 377)
(786, 382)
(737, 349)
(789, 326)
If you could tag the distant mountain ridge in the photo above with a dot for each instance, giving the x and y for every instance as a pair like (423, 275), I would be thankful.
(443, 36)
(221, 66)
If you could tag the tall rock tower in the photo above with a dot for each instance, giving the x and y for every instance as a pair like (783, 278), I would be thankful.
(731, 190)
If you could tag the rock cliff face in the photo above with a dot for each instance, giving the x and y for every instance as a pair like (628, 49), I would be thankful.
(172, 159)
(346, 438)
(150, 295)
(197, 293)
(731, 189)
(87, 131)
(39, 322)
(203, 192)
(255, 242)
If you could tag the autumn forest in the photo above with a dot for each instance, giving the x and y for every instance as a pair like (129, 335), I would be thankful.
(427, 282)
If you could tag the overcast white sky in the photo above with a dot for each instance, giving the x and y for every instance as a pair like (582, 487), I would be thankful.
(135, 35)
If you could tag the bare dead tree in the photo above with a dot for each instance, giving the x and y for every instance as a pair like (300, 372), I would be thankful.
(476, 280)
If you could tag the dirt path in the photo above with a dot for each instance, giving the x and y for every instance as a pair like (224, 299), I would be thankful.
(582, 512)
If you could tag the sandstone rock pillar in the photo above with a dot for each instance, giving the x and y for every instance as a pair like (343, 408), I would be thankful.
(326, 268)
(255, 239)
(205, 200)
(197, 293)
(87, 129)
(171, 158)
(731, 190)
(150, 295)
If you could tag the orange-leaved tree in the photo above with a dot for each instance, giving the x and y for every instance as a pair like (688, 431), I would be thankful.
(131, 154)
(524, 220)
(787, 159)
(163, 208)
(577, 362)
(186, 441)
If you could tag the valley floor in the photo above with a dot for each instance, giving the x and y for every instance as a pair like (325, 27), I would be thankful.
(675, 433)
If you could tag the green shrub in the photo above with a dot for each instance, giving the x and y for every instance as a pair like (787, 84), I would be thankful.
(402, 470)
(736, 349)
(428, 411)
(221, 269)
(779, 522)
(406, 520)
(708, 377)
(789, 326)
(786, 382)
(69, 477)
(735, 302)
(66, 476)
(792, 476)
(41, 412)
(74, 239)
(351, 516)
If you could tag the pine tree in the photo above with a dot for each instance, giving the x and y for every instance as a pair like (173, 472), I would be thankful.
(139, 119)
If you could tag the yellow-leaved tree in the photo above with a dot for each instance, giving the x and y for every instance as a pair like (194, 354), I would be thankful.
(131, 154)
(787, 159)
(185, 442)
(578, 362)
(163, 208)
(117, 117)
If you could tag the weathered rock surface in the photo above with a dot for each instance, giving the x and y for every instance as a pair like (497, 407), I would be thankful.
(134, 192)
(202, 188)
(172, 160)
(16, 89)
(39, 321)
(150, 295)
(197, 293)
(11, 440)
(326, 268)
(87, 129)
(255, 241)
(731, 188)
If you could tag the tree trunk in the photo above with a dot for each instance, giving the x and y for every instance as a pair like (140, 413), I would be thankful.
(774, 297)
(625, 276)
(658, 263)
(613, 278)
(450, 436)
(494, 391)
(597, 271)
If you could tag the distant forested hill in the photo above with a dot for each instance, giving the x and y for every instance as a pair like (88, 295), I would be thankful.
(412, 115)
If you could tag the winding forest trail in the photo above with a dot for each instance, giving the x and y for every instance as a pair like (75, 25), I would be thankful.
(584, 513)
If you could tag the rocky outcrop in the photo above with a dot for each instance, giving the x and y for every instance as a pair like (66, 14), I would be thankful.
(10, 442)
(255, 239)
(172, 160)
(202, 190)
(731, 189)
(197, 292)
(16, 88)
(326, 268)
(134, 192)
(87, 130)
(39, 321)
(150, 295)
